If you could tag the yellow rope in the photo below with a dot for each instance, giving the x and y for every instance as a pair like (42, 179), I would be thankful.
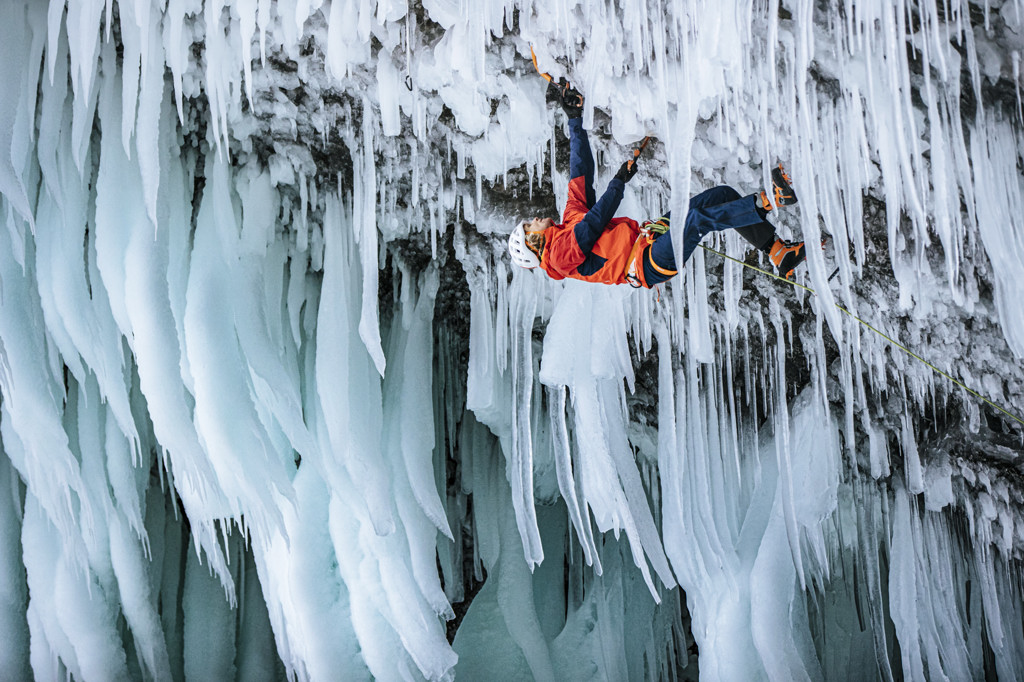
(882, 334)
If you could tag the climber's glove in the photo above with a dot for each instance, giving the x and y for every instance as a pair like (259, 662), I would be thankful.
(572, 101)
(626, 171)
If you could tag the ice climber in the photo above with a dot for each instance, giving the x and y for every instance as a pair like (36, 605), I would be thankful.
(593, 245)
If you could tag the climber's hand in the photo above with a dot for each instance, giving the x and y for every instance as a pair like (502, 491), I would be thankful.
(572, 101)
(626, 171)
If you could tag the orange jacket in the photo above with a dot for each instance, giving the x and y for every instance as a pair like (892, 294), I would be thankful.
(590, 244)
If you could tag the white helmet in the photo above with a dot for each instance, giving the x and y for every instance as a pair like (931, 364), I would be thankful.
(521, 254)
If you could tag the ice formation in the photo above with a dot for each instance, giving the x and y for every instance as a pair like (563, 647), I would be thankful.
(275, 405)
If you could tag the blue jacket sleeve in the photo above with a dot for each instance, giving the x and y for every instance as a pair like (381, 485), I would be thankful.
(581, 159)
(590, 228)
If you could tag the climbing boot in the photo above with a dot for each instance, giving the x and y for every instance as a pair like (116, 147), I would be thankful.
(785, 256)
(783, 190)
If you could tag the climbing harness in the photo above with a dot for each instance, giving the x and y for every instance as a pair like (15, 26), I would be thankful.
(880, 333)
(634, 266)
(649, 231)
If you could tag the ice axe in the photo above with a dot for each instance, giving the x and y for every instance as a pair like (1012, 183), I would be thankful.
(637, 151)
(567, 88)
(562, 84)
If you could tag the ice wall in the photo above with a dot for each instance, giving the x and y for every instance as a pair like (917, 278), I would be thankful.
(275, 406)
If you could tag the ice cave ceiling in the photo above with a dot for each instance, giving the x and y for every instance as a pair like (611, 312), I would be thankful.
(276, 405)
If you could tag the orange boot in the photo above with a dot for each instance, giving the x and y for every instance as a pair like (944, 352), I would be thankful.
(784, 193)
(785, 256)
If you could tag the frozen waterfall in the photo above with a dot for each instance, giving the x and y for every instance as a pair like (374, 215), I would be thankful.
(274, 404)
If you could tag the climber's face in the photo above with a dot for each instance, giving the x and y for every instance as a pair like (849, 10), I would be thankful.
(538, 225)
(534, 237)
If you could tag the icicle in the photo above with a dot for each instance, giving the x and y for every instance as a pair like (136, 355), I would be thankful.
(253, 473)
(416, 416)
(348, 384)
(567, 483)
(784, 455)
(14, 37)
(365, 224)
(520, 453)
(697, 302)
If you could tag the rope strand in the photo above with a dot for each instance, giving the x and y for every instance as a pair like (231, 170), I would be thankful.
(880, 333)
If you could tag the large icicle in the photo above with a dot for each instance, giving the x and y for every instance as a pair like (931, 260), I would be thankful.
(253, 474)
(16, 39)
(349, 388)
